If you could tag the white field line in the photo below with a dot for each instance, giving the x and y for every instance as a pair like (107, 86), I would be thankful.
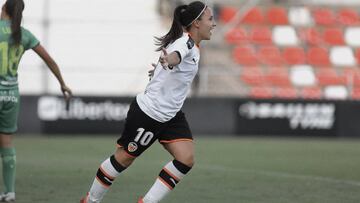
(278, 174)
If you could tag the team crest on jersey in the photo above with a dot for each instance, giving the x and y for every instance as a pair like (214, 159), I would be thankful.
(132, 147)
(190, 43)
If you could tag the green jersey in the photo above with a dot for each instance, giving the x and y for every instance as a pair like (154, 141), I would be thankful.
(11, 54)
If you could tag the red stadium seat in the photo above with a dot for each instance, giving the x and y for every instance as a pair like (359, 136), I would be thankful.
(261, 92)
(333, 36)
(348, 17)
(278, 77)
(286, 92)
(310, 36)
(236, 36)
(227, 13)
(253, 16)
(261, 35)
(311, 93)
(294, 55)
(318, 56)
(355, 94)
(329, 77)
(245, 55)
(352, 76)
(357, 55)
(253, 76)
(277, 16)
(270, 55)
(324, 17)
(356, 79)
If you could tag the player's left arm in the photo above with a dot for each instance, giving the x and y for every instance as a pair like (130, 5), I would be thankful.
(169, 60)
(166, 60)
(41, 51)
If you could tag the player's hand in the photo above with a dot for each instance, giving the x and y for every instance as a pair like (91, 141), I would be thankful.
(164, 59)
(67, 96)
(66, 92)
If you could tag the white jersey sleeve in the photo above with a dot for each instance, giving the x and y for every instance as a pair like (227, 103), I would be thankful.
(179, 46)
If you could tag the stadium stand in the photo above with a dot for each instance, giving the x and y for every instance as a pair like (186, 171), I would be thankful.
(227, 13)
(311, 93)
(309, 52)
(254, 16)
(237, 36)
(352, 36)
(245, 55)
(324, 16)
(260, 35)
(310, 36)
(302, 76)
(299, 37)
(318, 56)
(348, 17)
(333, 36)
(253, 76)
(286, 92)
(270, 55)
(294, 55)
(261, 92)
(277, 16)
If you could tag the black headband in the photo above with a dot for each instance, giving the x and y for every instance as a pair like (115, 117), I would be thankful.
(192, 12)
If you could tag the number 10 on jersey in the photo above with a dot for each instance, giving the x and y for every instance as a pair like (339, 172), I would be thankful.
(143, 137)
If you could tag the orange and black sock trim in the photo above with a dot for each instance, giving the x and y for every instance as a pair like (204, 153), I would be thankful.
(103, 176)
(105, 179)
(168, 177)
(184, 169)
(118, 167)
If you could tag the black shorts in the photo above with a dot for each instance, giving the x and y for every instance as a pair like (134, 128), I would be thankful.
(141, 131)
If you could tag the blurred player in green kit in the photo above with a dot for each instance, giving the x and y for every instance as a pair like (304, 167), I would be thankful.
(14, 41)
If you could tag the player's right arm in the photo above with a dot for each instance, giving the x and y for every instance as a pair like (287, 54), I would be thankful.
(41, 51)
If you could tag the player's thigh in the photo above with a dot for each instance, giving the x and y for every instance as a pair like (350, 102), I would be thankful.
(177, 139)
(175, 130)
(182, 151)
(140, 131)
(9, 110)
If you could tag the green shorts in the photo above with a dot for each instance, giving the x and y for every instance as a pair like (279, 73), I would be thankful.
(9, 110)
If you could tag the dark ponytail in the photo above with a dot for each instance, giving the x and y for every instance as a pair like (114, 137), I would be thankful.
(184, 16)
(14, 9)
(175, 31)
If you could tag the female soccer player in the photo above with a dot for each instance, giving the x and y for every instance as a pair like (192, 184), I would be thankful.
(14, 41)
(156, 113)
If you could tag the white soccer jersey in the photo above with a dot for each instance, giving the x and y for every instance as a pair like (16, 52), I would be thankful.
(167, 90)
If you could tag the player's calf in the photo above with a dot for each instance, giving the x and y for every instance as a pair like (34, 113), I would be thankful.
(168, 178)
(104, 178)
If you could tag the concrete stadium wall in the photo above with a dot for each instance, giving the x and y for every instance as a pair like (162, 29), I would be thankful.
(111, 41)
(210, 116)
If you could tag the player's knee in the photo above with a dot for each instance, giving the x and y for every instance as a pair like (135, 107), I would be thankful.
(123, 158)
(187, 159)
(5, 140)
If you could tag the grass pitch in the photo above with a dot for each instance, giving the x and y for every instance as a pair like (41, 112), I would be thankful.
(60, 169)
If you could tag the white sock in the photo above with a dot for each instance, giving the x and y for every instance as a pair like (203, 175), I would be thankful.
(157, 192)
(105, 176)
(169, 176)
(97, 192)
